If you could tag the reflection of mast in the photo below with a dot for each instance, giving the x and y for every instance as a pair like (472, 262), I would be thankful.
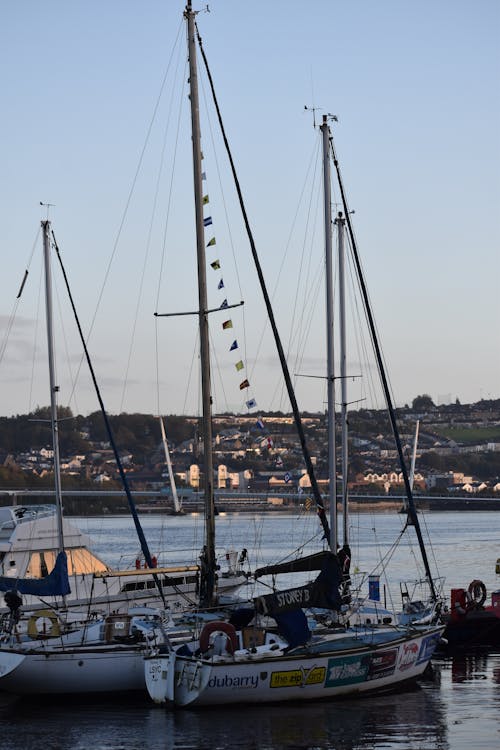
(177, 505)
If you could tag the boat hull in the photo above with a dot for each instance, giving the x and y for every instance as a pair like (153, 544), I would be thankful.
(308, 675)
(97, 670)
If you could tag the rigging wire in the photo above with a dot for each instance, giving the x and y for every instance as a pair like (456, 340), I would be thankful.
(65, 341)
(305, 182)
(384, 380)
(123, 477)
(128, 200)
(286, 373)
(228, 224)
(166, 225)
(12, 316)
(35, 339)
(191, 369)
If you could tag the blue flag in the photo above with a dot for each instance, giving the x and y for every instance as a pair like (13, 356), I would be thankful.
(207, 221)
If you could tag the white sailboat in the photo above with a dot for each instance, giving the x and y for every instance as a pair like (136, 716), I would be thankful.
(279, 649)
(79, 628)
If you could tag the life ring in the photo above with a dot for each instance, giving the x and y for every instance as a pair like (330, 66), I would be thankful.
(46, 614)
(477, 593)
(218, 626)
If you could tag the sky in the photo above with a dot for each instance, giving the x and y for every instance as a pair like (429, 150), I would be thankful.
(415, 88)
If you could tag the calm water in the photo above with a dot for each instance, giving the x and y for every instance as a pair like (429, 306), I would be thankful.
(457, 708)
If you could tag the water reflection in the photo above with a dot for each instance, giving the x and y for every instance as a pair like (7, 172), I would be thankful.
(473, 666)
(412, 719)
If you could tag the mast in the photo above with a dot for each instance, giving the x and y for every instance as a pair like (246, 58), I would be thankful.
(412, 511)
(53, 387)
(332, 474)
(175, 497)
(340, 221)
(208, 555)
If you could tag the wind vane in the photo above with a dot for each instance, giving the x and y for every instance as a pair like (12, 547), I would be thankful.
(48, 207)
(314, 109)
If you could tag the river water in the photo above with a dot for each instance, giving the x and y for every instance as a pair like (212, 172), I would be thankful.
(457, 707)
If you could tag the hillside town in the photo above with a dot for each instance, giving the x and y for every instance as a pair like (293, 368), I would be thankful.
(458, 452)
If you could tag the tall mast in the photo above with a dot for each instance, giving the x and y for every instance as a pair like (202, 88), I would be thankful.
(53, 387)
(329, 338)
(340, 221)
(208, 556)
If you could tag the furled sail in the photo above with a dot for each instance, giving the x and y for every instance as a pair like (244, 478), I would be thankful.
(323, 592)
(297, 565)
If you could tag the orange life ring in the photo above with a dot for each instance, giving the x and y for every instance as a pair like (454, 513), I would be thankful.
(477, 593)
(221, 627)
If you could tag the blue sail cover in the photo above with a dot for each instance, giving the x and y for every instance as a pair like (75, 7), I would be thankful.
(55, 584)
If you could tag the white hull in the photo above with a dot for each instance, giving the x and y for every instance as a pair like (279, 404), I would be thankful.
(328, 669)
(93, 670)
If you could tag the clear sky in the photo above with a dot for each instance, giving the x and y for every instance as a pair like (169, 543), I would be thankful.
(415, 86)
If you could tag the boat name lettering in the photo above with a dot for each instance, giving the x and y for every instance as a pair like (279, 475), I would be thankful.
(155, 670)
(293, 596)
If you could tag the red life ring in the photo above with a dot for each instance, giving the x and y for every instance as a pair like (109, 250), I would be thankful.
(221, 627)
(477, 593)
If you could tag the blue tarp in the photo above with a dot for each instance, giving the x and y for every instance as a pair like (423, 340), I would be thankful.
(55, 584)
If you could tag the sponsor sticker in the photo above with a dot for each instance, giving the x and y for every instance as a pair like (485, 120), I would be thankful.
(347, 670)
(233, 681)
(382, 664)
(427, 647)
(408, 655)
(298, 677)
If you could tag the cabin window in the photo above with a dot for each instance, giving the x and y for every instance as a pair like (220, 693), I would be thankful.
(40, 564)
(80, 561)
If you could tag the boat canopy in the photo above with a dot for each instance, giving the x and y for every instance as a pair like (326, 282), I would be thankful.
(56, 583)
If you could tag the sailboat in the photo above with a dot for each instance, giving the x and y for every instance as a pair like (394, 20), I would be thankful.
(44, 557)
(56, 640)
(297, 643)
